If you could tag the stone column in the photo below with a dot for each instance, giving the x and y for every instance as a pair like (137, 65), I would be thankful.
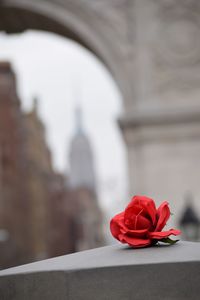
(162, 126)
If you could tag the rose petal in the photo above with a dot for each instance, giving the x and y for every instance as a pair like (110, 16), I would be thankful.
(114, 225)
(163, 234)
(135, 242)
(146, 203)
(134, 219)
(129, 213)
(163, 213)
(135, 233)
(117, 227)
(133, 210)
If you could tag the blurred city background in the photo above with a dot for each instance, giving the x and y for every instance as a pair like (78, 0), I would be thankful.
(99, 100)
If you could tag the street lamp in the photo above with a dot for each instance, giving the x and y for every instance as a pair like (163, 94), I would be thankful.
(190, 223)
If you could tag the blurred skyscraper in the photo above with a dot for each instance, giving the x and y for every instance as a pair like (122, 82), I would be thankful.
(82, 172)
(82, 181)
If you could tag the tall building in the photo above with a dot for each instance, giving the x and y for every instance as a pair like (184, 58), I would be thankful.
(15, 240)
(82, 172)
(39, 174)
(83, 186)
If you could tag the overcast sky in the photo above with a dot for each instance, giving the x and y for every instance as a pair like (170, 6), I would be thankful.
(63, 74)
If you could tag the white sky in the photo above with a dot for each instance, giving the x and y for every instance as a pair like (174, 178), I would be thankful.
(61, 73)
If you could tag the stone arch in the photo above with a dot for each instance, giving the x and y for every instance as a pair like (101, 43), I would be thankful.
(74, 20)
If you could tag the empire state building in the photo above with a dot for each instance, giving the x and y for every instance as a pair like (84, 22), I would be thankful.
(83, 184)
(82, 173)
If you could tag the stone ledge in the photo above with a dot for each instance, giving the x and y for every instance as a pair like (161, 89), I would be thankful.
(159, 117)
(114, 272)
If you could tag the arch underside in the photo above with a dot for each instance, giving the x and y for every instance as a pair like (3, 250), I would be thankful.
(78, 23)
(14, 20)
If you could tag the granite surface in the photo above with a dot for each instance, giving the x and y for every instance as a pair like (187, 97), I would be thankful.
(113, 272)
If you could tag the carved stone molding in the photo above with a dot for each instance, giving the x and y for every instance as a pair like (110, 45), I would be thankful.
(178, 33)
(175, 48)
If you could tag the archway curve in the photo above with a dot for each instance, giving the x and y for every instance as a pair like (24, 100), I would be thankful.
(19, 15)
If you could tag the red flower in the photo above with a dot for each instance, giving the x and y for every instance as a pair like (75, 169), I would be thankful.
(141, 223)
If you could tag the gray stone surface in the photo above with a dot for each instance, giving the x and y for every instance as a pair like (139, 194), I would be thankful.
(114, 272)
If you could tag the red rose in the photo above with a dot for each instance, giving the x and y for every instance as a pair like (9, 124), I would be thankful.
(141, 223)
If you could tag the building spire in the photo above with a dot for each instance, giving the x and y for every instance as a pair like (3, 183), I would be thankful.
(79, 119)
(35, 104)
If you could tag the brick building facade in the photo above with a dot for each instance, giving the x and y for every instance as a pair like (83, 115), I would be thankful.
(16, 243)
(40, 215)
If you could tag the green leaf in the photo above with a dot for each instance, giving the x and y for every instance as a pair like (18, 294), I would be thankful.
(169, 241)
